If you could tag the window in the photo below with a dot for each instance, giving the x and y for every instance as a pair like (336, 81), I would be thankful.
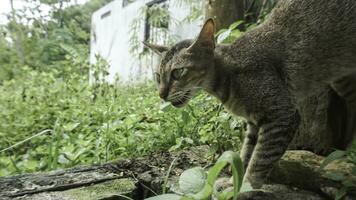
(126, 2)
(157, 19)
(106, 14)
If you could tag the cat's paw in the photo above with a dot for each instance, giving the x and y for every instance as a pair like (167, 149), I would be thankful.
(254, 181)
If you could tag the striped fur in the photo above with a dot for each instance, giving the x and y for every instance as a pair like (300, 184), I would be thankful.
(304, 47)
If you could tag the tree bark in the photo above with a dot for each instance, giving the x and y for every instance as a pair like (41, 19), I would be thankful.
(225, 12)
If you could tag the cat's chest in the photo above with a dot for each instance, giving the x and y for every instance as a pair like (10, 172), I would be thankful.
(236, 107)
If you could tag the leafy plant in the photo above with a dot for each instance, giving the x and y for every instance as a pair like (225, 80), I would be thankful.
(347, 183)
(98, 122)
(196, 184)
(229, 35)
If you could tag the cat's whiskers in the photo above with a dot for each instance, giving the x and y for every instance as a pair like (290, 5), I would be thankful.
(175, 95)
(179, 96)
(184, 97)
(197, 87)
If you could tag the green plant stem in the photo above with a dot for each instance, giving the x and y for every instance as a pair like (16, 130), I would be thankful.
(167, 176)
(26, 140)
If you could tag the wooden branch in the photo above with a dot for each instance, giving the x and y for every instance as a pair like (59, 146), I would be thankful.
(63, 187)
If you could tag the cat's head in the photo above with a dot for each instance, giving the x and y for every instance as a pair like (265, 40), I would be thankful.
(186, 67)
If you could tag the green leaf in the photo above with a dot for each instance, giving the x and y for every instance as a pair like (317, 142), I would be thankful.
(354, 170)
(185, 116)
(221, 31)
(336, 176)
(62, 159)
(192, 180)
(340, 193)
(251, 26)
(237, 169)
(165, 106)
(236, 34)
(189, 140)
(166, 197)
(348, 182)
(331, 157)
(205, 193)
(235, 25)
(227, 157)
(179, 143)
(228, 193)
(215, 170)
(70, 126)
(223, 36)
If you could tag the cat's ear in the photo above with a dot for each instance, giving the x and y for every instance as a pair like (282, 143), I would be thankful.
(158, 49)
(206, 35)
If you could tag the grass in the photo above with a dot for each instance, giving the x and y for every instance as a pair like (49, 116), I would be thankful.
(95, 124)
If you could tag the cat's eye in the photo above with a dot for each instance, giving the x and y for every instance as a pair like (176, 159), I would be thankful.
(157, 77)
(177, 73)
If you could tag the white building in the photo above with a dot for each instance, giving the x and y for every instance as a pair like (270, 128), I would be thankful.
(112, 28)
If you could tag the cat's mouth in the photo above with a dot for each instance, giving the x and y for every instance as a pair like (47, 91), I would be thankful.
(182, 100)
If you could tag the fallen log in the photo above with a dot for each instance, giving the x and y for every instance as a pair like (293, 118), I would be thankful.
(136, 178)
(295, 176)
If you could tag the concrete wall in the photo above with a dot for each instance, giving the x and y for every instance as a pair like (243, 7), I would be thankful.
(110, 37)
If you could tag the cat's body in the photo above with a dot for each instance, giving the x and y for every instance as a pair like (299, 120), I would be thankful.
(263, 76)
(319, 39)
(309, 43)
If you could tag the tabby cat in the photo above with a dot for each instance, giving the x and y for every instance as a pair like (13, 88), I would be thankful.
(263, 76)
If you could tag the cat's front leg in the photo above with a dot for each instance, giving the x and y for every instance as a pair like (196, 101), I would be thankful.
(249, 143)
(273, 140)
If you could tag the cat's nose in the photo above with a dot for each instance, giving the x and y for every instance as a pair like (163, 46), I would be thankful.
(163, 92)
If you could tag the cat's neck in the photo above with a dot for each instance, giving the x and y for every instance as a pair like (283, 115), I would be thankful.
(220, 87)
(253, 49)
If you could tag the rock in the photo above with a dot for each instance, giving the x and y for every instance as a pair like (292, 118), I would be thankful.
(301, 169)
(283, 192)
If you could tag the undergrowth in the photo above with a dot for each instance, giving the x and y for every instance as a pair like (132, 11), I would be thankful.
(95, 123)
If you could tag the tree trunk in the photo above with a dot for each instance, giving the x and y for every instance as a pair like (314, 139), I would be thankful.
(257, 9)
(225, 12)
